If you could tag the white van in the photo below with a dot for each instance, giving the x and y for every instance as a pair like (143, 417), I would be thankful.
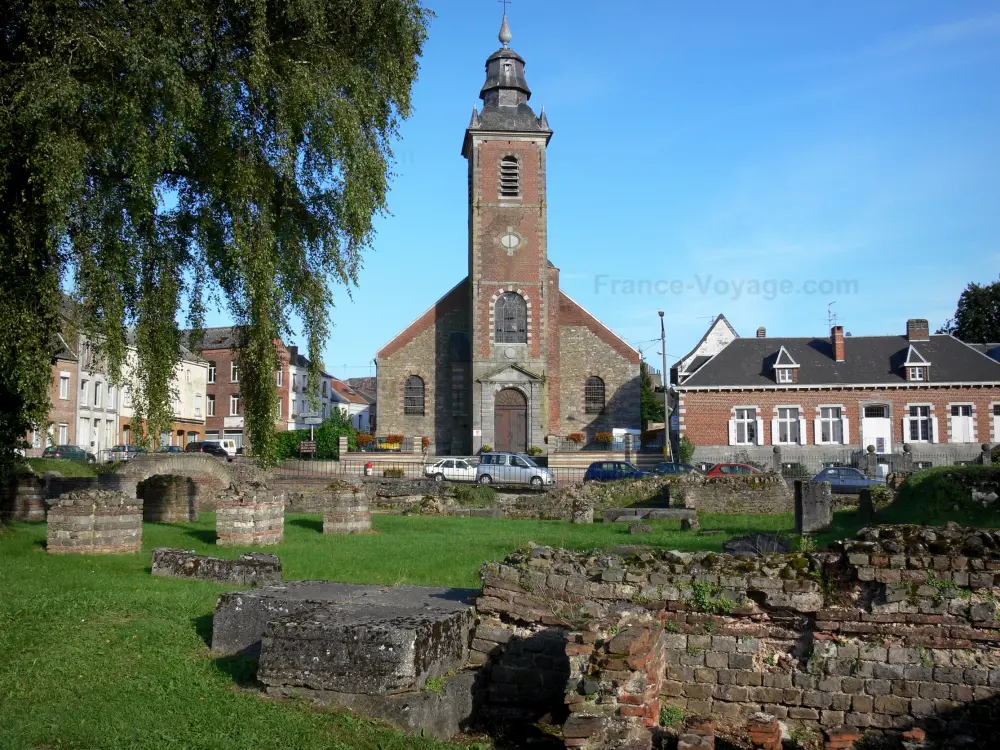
(229, 446)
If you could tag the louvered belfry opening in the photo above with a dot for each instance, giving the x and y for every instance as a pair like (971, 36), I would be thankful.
(510, 177)
(511, 319)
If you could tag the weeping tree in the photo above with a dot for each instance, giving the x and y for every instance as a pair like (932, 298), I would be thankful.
(170, 155)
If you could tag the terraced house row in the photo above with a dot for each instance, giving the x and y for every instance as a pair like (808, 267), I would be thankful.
(818, 396)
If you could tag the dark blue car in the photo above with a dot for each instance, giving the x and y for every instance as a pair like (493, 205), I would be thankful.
(612, 471)
(845, 480)
(674, 468)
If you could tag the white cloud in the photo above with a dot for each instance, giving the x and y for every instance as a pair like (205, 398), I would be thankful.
(940, 35)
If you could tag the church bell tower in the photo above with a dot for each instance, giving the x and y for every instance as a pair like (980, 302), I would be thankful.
(512, 286)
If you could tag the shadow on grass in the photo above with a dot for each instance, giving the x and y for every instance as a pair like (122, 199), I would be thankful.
(241, 669)
(310, 524)
(206, 536)
(203, 627)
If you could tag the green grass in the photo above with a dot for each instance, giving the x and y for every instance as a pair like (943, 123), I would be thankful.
(95, 653)
(64, 466)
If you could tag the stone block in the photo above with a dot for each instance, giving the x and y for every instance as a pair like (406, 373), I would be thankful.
(92, 522)
(813, 506)
(254, 569)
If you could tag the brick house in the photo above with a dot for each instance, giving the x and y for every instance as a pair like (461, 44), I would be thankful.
(63, 399)
(823, 398)
(223, 402)
(506, 358)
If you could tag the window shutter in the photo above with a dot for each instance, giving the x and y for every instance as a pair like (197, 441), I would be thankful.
(934, 429)
(906, 429)
(760, 431)
(846, 426)
(732, 432)
(802, 431)
(774, 431)
(817, 432)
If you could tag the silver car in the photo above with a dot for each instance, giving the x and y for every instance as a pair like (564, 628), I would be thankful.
(452, 469)
(512, 468)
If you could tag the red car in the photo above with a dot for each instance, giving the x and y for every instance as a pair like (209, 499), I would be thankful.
(728, 470)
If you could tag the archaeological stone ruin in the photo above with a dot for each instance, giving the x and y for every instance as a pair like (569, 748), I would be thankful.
(251, 569)
(92, 522)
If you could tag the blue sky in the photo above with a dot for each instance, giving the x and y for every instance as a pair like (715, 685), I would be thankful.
(845, 151)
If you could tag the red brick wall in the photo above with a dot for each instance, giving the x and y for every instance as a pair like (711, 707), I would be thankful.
(223, 388)
(64, 410)
(707, 414)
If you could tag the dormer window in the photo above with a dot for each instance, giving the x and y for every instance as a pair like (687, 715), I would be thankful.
(510, 177)
(785, 368)
(916, 366)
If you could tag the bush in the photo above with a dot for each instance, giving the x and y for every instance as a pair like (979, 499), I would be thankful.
(487, 448)
(686, 449)
(535, 451)
(936, 492)
(604, 437)
(327, 437)
(476, 496)
(394, 474)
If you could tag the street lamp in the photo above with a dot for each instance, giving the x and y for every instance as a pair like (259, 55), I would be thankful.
(665, 379)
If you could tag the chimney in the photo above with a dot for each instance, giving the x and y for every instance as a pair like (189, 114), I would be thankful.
(762, 333)
(837, 338)
(918, 329)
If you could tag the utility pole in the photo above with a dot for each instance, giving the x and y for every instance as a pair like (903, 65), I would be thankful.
(665, 381)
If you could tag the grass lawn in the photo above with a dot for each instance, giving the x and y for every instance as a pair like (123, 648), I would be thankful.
(96, 653)
(64, 466)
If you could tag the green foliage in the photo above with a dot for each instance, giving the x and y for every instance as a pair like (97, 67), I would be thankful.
(328, 434)
(687, 449)
(535, 451)
(708, 598)
(806, 543)
(651, 402)
(176, 154)
(671, 716)
(394, 473)
(437, 685)
(933, 494)
(476, 496)
(977, 319)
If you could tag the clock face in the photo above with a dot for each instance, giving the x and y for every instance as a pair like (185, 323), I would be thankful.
(510, 241)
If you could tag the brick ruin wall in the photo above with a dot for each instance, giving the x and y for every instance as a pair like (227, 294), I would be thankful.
(347, 512)
(91, 522)
(168, 499)
(250, 518)
(747, 495)
(895, 630)
(22, 498)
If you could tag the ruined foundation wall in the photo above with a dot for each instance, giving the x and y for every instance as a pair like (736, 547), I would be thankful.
(891, 631)
(95, 522)
(251, 518)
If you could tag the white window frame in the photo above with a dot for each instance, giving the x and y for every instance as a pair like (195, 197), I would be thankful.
(280, 377)
(112, 394)
(931, 424)
(234, 400)
(830, 421)
(753, 422)
(210, 405)
(776, 423)
(64, 388)
(972, 416)
(97, 394)
(234, 372)
(279, 407)
(211, 374)
(84, 393)
(917, 374)
(785, 376)
(63, 434)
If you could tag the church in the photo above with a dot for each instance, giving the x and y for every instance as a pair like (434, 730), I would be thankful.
(506, 359)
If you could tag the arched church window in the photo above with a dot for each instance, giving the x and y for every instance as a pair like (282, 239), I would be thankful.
(510, 318)
(593, 395)
(413, 396)
(510, 177)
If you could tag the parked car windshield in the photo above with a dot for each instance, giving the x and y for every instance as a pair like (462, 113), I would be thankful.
(527, 460)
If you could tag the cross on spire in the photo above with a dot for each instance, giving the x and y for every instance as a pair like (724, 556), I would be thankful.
(505, 3)
(505, 35)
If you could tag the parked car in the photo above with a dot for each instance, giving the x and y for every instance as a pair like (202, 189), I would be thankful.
(453, 469)
(125, 452)
(512, 468)
(667, 467)
(846, 481)
(729, 470)
(70, 452)
(208, 446)
(170, 449)
(228, 445)
(612, 471)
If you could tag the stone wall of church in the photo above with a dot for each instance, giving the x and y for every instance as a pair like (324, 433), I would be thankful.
(582, 354)
(426, 350)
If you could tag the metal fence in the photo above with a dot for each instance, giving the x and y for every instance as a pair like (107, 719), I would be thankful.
(384, 445)
(805, 465)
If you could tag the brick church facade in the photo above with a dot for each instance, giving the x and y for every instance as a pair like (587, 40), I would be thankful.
(506, 359)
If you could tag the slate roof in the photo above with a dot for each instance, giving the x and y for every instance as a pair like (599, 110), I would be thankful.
(186, 354)
(519, 119)
(990, 350)
(784, 359)
(367, 387)
(875, 360)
